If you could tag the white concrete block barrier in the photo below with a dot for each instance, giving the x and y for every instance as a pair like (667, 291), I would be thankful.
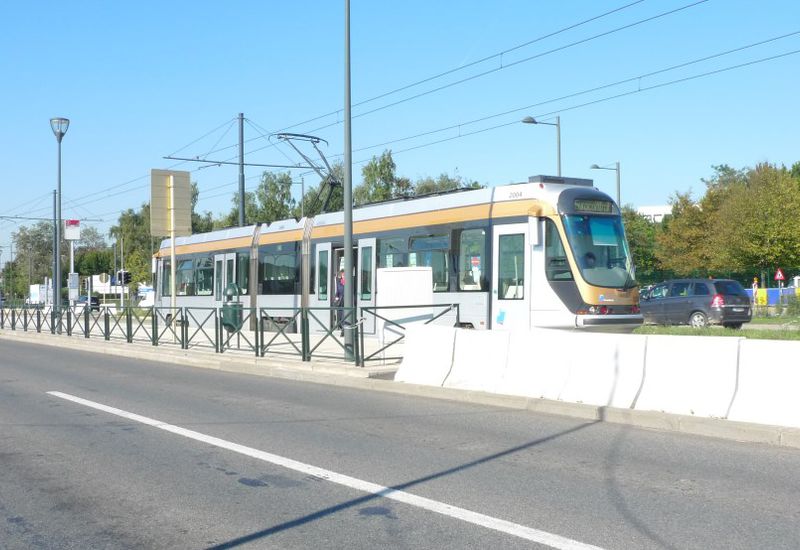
(578, 367)
(479, 359)
(604, 369)
(691, 375)
(769, 380)
(535, 363)
(427, 355)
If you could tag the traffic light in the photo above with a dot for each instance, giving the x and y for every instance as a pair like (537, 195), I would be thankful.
(123, 277)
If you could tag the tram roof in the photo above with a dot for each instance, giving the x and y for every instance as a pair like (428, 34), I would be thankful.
(544, 188)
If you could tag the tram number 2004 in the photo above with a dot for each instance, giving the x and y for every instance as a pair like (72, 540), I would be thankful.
(515, 195)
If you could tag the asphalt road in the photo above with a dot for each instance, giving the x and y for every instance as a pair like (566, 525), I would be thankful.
(237, 461)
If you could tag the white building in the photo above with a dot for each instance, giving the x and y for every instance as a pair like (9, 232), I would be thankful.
(654, 213)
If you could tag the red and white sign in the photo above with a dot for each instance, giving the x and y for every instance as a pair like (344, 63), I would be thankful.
(72, 230)
(476, 261)
(779, 275)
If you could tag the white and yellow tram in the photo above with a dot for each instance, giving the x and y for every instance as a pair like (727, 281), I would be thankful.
(551, 252)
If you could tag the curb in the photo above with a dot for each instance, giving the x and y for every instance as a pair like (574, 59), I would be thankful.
(381, 379)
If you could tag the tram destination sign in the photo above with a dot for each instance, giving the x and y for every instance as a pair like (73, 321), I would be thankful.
(594, 205)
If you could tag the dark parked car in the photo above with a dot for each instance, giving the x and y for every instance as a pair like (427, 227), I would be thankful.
(697, 302)
(95, 302)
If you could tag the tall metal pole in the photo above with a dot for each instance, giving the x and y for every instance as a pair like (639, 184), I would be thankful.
(619, 204)
(55, 249)
(121, 271)
(57, 282)
(558, 144)
(241, 169)
(348, 188)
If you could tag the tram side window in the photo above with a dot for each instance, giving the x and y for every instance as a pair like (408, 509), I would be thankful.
(165, 278)
(471, 256)
(392, 252)
(218, 281)
(511, 270)
(243, 271)
(204, 276)
(365, 264)
(278, 273)
(431, 251)
(322, 276)
(555, 256)
(184, 277)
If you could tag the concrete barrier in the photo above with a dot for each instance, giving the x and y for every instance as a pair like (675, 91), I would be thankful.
(692, 375)
(427, 355)
(769, 379)
(605, 369)
(479, 359)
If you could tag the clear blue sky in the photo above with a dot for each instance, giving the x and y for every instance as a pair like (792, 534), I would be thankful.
(143, 80)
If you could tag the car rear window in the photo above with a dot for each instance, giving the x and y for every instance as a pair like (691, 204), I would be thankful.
(729, 287)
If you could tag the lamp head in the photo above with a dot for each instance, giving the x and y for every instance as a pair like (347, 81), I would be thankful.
(530, 120)
(59, 126)
(594, 167)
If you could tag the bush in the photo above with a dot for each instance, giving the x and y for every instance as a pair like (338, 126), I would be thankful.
(793, 307)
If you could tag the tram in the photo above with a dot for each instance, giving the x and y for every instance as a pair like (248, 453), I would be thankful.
(550, 252)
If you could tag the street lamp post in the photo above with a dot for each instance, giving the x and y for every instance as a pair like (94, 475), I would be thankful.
(557, 124)
(616, 169)
(59, 126)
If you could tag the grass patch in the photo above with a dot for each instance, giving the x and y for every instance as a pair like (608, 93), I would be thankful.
(776, 320)
(754, 334)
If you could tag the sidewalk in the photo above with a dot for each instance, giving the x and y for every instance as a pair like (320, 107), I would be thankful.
(285, 365)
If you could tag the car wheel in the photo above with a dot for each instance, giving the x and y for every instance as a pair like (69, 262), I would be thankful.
(698, 319)
(734, 326)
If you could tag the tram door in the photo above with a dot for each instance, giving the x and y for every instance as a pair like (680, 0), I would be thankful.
(365, 283)
(325, 288)
(224, 274)
(511, 271)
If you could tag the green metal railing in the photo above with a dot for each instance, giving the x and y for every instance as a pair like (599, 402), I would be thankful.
(396, 323)
(262, 331)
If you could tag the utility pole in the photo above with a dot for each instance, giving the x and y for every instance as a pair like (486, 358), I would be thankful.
(241, 170)
(349, 282)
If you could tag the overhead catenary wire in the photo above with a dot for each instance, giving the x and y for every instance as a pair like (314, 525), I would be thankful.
(502, 66)
(428, 79)
(391, 141)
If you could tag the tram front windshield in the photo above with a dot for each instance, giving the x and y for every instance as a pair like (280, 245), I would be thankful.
(600, 250)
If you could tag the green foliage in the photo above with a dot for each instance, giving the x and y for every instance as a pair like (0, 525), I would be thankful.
(793, 307)
(274, 196)
(641, 233)
(380, 182)
(443, 183)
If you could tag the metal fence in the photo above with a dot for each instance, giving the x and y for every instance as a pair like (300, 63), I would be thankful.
(258, 331)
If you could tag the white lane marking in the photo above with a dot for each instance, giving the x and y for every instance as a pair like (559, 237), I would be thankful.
(515, 529)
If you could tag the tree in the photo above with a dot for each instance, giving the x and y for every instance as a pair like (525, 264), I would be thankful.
(33, 257)
(443, 183)
(314, 198)
(231, 219)
(91, 239)
(760, 222)
(380, 182)
(641, 234)
(274, 196)
(680, 247)
(201, 223)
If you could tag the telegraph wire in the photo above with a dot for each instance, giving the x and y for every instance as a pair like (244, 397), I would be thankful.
(490, 71)
(499, 54)
(582, 92)
(467, 65)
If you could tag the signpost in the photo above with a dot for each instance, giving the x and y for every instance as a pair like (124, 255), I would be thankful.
(72, 233)
(780, 278)
(170, 214)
